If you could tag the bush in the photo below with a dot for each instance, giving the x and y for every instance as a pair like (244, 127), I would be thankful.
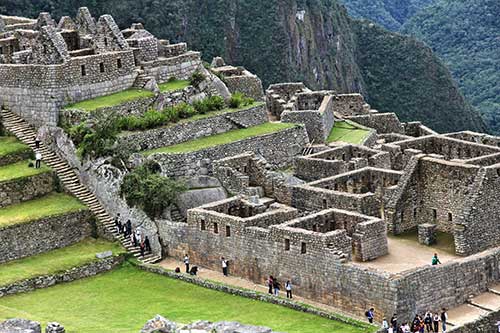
(239, 100)
(185, 110)
(95, 139)
(145, 188)
(212, 103)
(172, 79)
(196, 78)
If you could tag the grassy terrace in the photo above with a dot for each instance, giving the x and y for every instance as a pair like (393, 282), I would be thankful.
(204, 116)
(55, 261)
(10, 145)
(20, 170)
(111, 100)
(50, 205)
(124, 299)
(345, 132)
(220, 139)
(173, 85)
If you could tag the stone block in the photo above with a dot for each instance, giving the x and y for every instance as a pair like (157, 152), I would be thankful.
(427, 233)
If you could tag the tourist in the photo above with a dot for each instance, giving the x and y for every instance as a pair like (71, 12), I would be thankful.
(38, 160)
(498, 326)
(138, 234)
(142, 249)
(177, 270)
(194, 270)
(133, 238)
(288, 287)
(444, 318)
(385, 325)
(406, 328)
(428, 321)
(435, 321)
(394, 322)
(224, 266)
(147, 244)
(37, 142)
(270, 284)
(128, 229)
(370, 314)
(118, 223)
(276, 287)
(435, 260)
(186, 262)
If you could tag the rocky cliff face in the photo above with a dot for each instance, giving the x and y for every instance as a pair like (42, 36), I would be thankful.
(314, 41)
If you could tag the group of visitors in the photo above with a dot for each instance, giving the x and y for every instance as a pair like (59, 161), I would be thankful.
(274, 287)
(194, 270)
(429, 322)
(136, 235)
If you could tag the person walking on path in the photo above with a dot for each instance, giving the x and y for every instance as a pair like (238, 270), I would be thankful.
(276, 287)
(394, 322)
(186, 262)
(129, 229)
(37, 142)
(138, 234)
(288, 287)
(134, 238)
(118, 223)
(435, 260)
(270, 284)
(385, 325)
(444, 318)
(428, 322)
(38, 160)
(142, 249)
(370, 314)
(435, 322)
(147, 244)
(224, 266)
(498, 326)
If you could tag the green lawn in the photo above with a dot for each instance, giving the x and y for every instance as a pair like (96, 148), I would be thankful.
(173, 85)
(124, 299)
(111, 100)
(20, 170)
(10, 145)
(50, 205)
(345, 132)
(223, 138)
(55, 261)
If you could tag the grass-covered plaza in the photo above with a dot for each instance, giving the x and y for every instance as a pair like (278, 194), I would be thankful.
(124, 299)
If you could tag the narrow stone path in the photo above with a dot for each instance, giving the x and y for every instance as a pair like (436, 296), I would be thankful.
(474, 308)
(208, 274)
(24, 132)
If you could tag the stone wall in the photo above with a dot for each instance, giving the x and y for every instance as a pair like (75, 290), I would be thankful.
(278, 149)
(347, 105)
(181, 67)
(447, 285)
(381, 122)
(21, 189)
(16, 157)
(43, 235)
(37, 92)
(485, 324)
(190, 130)
(75, 273)
(250, 85)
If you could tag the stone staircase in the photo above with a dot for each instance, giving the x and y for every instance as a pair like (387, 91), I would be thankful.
(24, 132)
(141, 79)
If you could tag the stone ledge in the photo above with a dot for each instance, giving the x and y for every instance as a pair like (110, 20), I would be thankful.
(69, 275)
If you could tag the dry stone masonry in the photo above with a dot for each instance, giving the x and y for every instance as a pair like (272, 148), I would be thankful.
(299, 208)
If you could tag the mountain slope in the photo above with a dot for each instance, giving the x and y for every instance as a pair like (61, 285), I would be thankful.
(466, 34)
(391, 14)
(289, 40)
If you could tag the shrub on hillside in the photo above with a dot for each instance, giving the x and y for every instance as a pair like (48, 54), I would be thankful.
(197, 78)
(239, 100)
(145, 188)
(212, 103)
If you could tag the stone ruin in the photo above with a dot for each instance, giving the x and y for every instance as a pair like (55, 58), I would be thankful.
(317, 223)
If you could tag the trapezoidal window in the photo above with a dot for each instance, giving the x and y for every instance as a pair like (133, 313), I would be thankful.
(450, 217)
(101, 67)
(216, 228)
(119, 63)
(203, 225)
(228, 231)
(83, 70)
(325, 204)
(434, 214)
(303, 248)
(287, 244)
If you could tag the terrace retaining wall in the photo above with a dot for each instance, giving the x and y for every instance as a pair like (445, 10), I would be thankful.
(26, 188)
(45, 234)
(72, 274)
(190, 130)
(277, 148)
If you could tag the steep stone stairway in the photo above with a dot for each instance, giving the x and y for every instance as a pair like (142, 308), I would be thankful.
(24, 132)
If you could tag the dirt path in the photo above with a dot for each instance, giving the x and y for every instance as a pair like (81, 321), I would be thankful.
(204, 273)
